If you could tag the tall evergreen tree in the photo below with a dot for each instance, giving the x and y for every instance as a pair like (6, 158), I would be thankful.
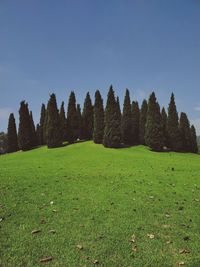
(112, 131)
(153, 132)
(185, 132)
(164, 125)
(41, 128)
(173, 132)
(33, 131)
(54, 136)
(63, 122)
(194, 146)
(142, 123)
(98, 119)
(12, 141)
(79, 122)
(126, 124)
(72, 119)
(87, 118)
(135, 122)
(38, 134)
(25, 129)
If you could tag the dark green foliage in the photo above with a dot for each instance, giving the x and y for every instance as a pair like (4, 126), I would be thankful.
(79, 122)
(153, 132)
(173, 132)
(98, 119)
(38, 130)
(135, 122)
(12, 142)
(112, 131)
(63, 122)
(194, 146)
(88, 118)
(143, 119)
(164, 125)
(33, 131)
(72, 119)
(3, 143)
(126, 123)
(41, 129)
(185, 132)
(25, 128)
(54, 136)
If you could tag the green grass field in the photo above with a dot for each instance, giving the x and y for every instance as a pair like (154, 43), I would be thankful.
(97, 199)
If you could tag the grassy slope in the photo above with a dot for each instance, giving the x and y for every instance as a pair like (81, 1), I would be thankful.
(102, 197)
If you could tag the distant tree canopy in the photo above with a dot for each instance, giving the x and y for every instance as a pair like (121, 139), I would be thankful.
(12, 141)
(154, 132)
(142, 123)
(54, 133)
(87, 118)
(160, 130)
(112, 132)
(25, 133)
(72, 119)
(98, 119)
(173, 132)
(127, 123)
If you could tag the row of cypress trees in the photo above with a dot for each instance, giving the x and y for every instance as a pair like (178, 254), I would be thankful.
(110, 127)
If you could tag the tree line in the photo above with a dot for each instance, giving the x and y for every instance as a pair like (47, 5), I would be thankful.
(148, 125)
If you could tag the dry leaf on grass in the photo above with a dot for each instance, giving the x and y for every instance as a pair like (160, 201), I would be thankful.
(36, 231)
(134, 248)
(46, 259)
(132, 238)
(180, 263)
(79, 247)
(169, 242)
(95, 261)
(184, 251)
(151, 236)
(52, 231)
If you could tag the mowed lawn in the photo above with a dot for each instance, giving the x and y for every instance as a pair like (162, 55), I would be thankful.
(97, 200)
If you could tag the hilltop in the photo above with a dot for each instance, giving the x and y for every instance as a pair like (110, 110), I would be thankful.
(89, 202)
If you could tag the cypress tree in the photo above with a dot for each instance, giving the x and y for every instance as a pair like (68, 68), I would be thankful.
(87, 118)
(98, 119)
(135, 122)
(126, 124)
(164, 125)
(63, 122)
(173, 132)
(12, 142)
(118, 110)
(33, 131)
(142, 123)
(185, 132)
(153, 132)
(72, 119)
(194, 146)
(41, 128)
(54, 137)
(112, 131)
(25, 130)
(79, 122)
(38, 134)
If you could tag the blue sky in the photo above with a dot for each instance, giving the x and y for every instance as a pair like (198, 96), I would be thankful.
(84, 45)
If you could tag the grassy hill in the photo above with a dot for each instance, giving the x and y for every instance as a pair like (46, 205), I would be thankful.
(95, 200)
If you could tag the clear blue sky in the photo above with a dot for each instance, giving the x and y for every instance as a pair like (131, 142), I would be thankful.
(59, 46)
